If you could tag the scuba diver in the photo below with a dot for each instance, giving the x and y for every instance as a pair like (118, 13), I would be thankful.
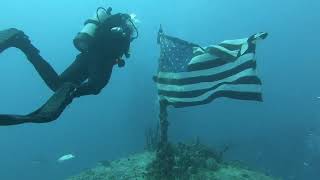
(102, 43)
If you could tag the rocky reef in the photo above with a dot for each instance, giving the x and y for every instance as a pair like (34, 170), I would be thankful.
(183, 162)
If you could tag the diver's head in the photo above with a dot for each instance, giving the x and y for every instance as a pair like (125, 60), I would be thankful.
(131, 22)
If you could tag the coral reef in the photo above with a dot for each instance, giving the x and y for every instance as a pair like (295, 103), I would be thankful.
(173, 162)
(183, 161)
(164, 163)
(132, 167)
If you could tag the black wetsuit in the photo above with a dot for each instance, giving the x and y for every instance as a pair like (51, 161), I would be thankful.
(87, 75)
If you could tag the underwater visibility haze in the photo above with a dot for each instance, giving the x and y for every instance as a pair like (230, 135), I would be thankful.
(279, 136)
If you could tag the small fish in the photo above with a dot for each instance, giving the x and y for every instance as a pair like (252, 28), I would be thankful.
(318, 97)
(65, 158)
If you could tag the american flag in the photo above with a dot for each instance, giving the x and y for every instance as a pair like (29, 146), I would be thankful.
(190, 75)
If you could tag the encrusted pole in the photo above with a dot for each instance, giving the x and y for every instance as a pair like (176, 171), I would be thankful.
(163, 116)
(164, 162)
(164, 123)
(162, 166)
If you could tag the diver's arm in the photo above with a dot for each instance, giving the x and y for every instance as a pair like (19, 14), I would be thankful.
(127, 50)
(91, 87)
(85, 89)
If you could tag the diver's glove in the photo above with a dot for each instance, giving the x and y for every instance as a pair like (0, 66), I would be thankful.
(127, 54)
(121, 63)
(73, 92)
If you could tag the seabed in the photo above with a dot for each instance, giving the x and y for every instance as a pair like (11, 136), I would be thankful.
(188, 162)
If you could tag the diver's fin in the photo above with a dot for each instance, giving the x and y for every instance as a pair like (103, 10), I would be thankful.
(8, 119)
(50, 111)
(12, 38)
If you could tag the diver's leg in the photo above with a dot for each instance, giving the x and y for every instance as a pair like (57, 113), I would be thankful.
(44, 69)
(76, 73)
(70, 79)
(16, 38)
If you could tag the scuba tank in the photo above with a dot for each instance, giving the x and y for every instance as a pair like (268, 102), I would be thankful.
(85, 37)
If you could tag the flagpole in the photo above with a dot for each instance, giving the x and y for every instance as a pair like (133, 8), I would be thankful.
(164, 123)
(164, 162)
(162, 166)
(163, 116)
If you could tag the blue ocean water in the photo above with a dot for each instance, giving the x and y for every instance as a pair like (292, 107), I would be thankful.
(279, 136)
